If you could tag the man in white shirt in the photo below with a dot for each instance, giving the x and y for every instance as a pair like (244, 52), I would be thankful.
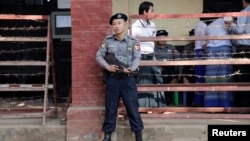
(144, 27)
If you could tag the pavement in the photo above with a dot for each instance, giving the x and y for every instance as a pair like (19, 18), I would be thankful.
(155, 129)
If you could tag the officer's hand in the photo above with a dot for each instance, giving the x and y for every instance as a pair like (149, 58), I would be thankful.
(112, 68)
(127, 70)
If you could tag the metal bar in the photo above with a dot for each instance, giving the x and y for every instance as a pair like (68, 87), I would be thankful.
(23, 87)
(190, 38)
(194, 87)
(53, 66)
(196, 109)
(197, 116)
(233, 61)
(23, 17)
(193, 15)
(22, 63)
(46, 75)
(23, 39)
(191, 112)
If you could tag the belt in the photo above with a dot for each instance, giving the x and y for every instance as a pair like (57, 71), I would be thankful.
(120, 75)
(149, 56)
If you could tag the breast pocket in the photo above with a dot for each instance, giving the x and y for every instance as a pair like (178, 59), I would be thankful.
(112, 49)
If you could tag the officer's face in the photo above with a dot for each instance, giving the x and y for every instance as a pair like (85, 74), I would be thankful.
(161, 43)
(119, 26)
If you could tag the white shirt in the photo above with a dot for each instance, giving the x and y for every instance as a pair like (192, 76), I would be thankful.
(144, 29)
(217, 28)
(200, 30)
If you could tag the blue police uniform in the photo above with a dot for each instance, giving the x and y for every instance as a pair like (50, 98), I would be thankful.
(126, 51)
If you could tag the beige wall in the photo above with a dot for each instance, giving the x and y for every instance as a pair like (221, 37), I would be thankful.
(175, 27)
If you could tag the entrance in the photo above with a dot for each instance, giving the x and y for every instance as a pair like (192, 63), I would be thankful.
(13, 51)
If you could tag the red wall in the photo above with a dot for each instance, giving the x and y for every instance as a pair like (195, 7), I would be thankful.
(89, 27)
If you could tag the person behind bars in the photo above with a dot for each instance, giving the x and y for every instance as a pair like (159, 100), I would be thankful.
(165, 52)
(241, 27)
(218, 49)
(145, 27)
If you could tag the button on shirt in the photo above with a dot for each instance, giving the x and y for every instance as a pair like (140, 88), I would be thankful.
(242, 26)
(144, 29)
(126, 51)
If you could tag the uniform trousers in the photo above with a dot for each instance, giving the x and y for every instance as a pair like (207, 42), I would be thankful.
(127, 90)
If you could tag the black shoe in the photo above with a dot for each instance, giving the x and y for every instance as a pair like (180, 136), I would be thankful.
(138, 136)
(107, 136)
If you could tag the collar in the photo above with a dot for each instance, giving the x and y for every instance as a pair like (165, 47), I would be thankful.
(143, 23)
(124, 39)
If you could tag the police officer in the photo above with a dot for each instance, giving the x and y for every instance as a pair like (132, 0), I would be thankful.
(127, 51)
(165, 51)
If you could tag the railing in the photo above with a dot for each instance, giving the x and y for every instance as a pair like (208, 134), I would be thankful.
(195, 112)
(47, 63)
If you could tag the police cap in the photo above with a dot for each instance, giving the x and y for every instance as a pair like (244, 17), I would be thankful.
(161, 32)
(118, 16)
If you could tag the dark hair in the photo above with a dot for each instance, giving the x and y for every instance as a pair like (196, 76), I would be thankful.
(191, 32)
(144, 6)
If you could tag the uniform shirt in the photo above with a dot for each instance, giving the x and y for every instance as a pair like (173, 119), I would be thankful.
(242, 26)
(126, 51)
(164, 53)
(200, 30)
(144, 29)
(217, 28)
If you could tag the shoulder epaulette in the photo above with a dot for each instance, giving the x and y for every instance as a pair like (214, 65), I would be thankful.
(132, 38)
(109, 37)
